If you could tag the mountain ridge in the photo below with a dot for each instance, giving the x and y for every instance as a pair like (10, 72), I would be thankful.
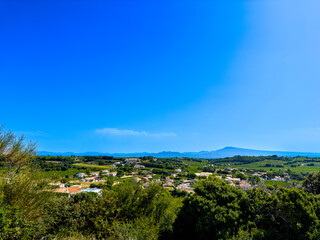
(220, 153)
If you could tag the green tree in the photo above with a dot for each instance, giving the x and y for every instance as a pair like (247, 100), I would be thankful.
(312, 183)
(109, 181)
(254, 180)
(298, 211)
(215, 211)
(120, 173)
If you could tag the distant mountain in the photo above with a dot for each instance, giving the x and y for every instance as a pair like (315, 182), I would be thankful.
(221, 153)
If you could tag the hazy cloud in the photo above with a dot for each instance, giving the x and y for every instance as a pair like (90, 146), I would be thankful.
(123, 132)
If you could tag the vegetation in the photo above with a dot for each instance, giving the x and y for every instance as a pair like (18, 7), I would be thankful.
(127, 212)
(219, 211)
(266, 163)
(14, 153)
(29, 209)
(312, 183)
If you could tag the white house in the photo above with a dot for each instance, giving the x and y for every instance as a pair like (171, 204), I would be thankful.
(80, 175)
(95, 190)
(131, 160)
(138, 166)
(203, 174)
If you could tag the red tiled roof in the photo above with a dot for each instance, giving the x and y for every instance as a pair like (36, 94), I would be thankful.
(74, 189)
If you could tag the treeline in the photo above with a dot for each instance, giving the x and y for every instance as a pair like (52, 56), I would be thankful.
(247, 159)
(63, 163)
(56, 159)
(252, 159)
(166, 163)
(100, 160)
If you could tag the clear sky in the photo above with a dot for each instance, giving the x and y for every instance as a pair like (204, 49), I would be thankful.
(131, 76)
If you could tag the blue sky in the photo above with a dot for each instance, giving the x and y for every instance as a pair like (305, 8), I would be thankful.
(131, 76)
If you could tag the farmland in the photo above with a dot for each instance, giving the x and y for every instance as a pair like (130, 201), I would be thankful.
(100, 167)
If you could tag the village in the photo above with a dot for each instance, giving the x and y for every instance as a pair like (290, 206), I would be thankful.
(178, 180)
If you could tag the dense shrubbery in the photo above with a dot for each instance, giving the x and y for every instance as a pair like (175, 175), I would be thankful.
(220, 211)
(164, 163)
(208, 169)
(312, 183)
(128, 211)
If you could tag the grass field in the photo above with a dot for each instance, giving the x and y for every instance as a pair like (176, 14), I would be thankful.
(125, 179)
(193, 166)
(58, 174)
(102, 167)
(277, 183)
(258, 165)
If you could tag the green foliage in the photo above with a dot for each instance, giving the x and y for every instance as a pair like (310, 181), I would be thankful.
(299, 212)
(312, 183)
(214, 212)
(125, 211)
(25, 192)
(220, 211)
(254, 180)
(109, 181)
(21, 206)
(241, 176)
(13, 226)
(54, 163)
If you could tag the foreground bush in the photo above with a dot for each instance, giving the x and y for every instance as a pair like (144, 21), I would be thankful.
(220, 211)
(126, 212)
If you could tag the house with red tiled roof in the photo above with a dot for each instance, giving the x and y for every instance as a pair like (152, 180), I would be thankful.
(74, 190)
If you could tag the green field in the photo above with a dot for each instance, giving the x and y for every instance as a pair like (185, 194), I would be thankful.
(193, 165)
(102, 167)
(58, 174)
(256, 165)
(277, 183)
